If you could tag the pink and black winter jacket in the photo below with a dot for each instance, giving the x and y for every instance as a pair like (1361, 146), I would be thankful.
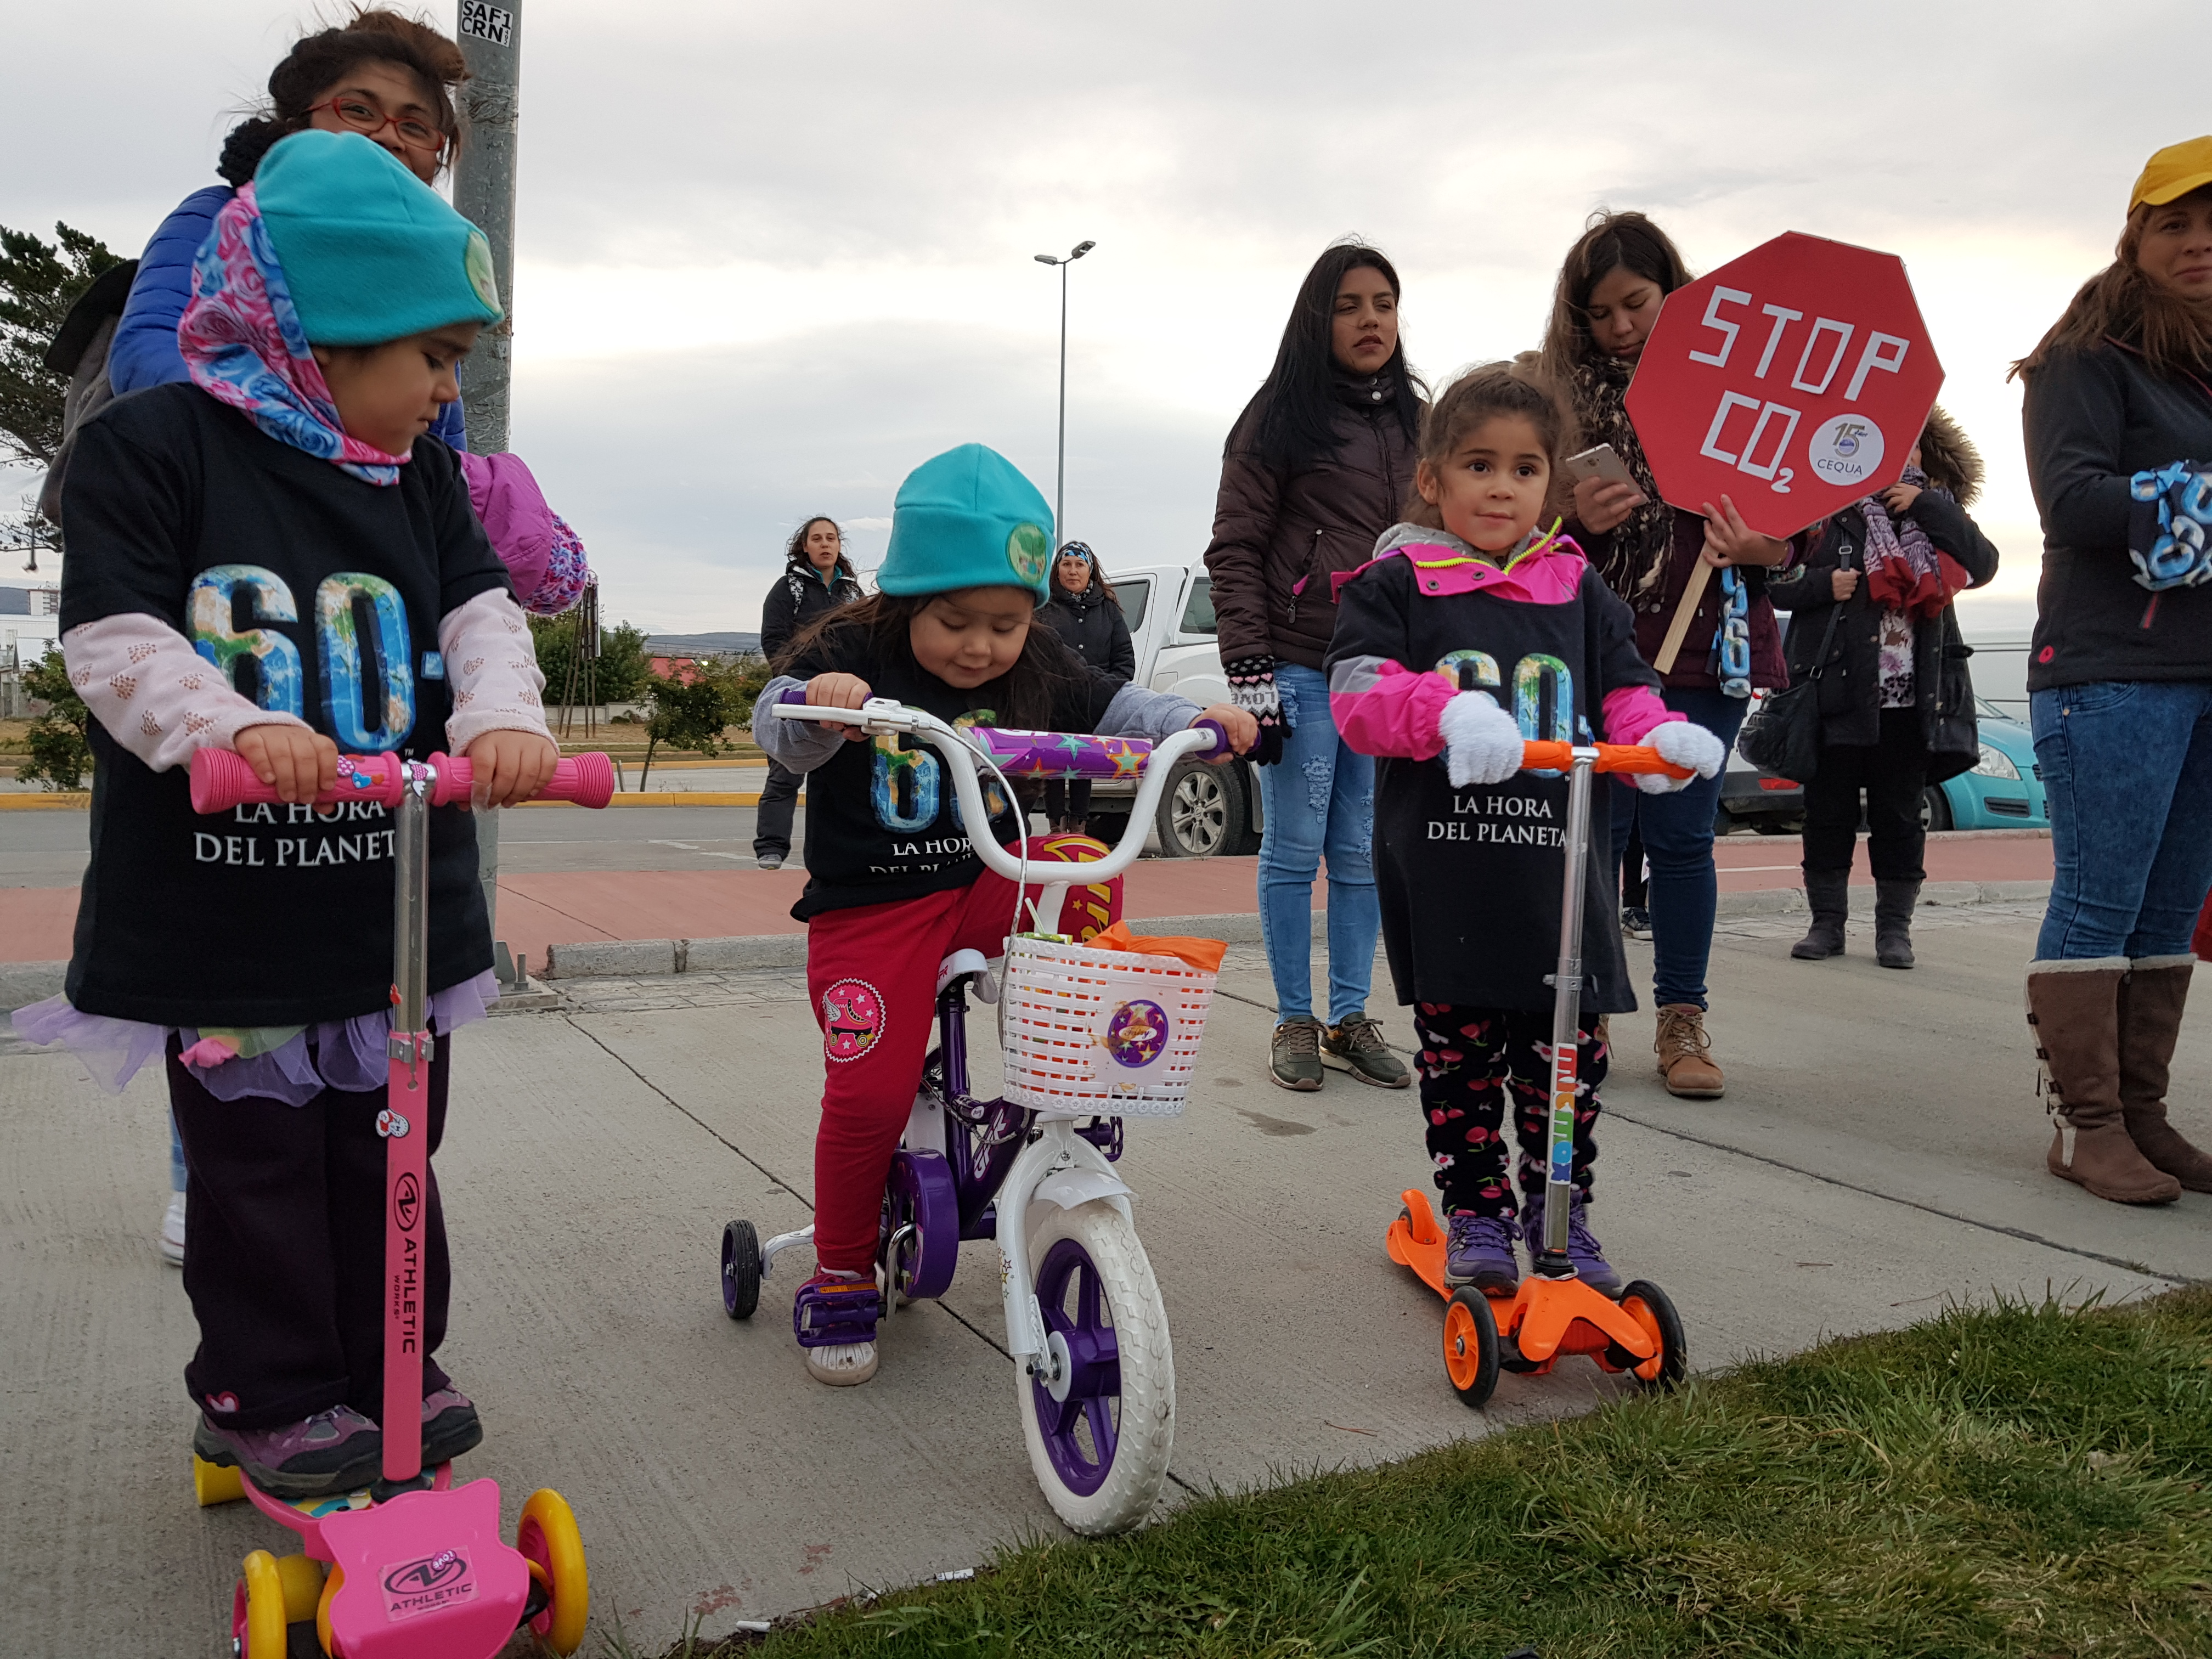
(1469, 879)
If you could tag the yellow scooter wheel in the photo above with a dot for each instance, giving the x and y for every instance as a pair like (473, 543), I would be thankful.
(548, 1541)
(261, 1591)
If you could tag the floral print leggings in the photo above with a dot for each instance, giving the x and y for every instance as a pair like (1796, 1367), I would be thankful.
(1472, 1061)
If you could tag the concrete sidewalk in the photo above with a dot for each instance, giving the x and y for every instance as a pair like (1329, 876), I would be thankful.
(1880, 1149)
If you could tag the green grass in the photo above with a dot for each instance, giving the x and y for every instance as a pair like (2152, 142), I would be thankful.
(2015, 1480)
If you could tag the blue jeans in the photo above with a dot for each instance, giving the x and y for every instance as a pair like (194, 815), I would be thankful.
(1678, 841)
(2127, 770)
(1319, 801)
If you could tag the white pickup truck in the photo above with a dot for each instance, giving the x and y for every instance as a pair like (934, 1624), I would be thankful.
(1206, 809)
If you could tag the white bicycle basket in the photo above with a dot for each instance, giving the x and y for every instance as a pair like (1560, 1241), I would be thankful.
(1105, 1032)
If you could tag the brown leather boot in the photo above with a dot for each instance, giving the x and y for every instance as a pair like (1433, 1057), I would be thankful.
(2073, 1011)
(1685, 1054)
(2151, 999)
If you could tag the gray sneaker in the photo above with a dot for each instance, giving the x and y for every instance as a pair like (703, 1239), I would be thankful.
(333, 1451)
(769, 860)
(1294, 1057)
(1357, 1047)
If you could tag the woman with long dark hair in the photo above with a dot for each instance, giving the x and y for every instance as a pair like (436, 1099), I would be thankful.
(1614, 281)
(2118, 417)
(818, 577)
(1315, 469)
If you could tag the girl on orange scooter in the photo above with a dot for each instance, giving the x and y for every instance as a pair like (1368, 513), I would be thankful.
(1465, 605)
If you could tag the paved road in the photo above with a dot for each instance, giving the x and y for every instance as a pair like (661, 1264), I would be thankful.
(1879, 1151)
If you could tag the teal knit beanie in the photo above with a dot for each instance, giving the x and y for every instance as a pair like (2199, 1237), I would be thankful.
(370, 252)
(967, 519)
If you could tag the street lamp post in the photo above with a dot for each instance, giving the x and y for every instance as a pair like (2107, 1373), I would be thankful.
(1060, 480)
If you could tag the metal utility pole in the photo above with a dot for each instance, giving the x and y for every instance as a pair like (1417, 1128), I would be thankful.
(1059, 479)
(490, 37)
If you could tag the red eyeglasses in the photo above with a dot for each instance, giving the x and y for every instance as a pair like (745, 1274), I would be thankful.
(361, 116)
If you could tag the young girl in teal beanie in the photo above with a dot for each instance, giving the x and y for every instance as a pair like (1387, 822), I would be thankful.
(893, 887)
(274, 559)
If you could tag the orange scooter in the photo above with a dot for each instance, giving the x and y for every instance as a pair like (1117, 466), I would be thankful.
(1554, 1312)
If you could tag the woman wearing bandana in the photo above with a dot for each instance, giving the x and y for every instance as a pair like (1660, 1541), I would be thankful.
(1897, 709)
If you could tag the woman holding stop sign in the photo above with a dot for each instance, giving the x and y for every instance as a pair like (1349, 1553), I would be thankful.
(1610, 291)
(2119, 418)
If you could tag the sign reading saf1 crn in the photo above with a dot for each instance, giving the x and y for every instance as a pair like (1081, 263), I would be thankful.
(488, 22)
(1794, 380)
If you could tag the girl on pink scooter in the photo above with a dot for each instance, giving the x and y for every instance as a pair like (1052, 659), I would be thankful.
(276, 558)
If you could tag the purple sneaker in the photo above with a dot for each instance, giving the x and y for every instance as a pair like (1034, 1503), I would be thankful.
(334, 1451)
(1583, 1248)
(1480, 1252)
(450, 1426)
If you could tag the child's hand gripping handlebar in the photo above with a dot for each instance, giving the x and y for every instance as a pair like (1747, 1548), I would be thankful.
(1611, 758)
(1031, 754)
(222, 780)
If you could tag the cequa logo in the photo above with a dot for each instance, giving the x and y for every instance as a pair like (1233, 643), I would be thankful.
(428, 1584)
(407, 1201)
(1845, 450)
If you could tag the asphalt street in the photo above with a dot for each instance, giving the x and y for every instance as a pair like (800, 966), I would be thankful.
(1879, 1150)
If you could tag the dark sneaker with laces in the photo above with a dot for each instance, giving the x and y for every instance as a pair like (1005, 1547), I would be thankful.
(1478, 1251)
(1583, 1248)
(334, 1451)
(450, 1426)
(1636, 921)
(1357, 1047)
(1294, 1057)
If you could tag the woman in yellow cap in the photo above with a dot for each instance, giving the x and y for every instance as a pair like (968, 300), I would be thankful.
(2119, 451)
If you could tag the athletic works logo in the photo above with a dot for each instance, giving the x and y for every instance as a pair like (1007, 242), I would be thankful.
(428, 1584)
(407, 1201)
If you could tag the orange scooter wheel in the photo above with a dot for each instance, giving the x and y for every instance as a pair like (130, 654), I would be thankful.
(1648, 1305)
(1471, 1346)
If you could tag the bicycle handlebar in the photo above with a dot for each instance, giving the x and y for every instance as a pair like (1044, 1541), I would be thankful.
(1611, 758)
(222, 780)
(1028, 754)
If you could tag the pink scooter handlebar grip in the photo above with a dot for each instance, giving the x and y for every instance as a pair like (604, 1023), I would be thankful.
(222, 780)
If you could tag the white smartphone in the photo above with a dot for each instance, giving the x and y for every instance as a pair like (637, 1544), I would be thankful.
(1602, 462)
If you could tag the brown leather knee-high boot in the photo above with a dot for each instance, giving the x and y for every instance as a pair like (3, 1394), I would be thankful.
(2151, 1000)
(2073, 1008)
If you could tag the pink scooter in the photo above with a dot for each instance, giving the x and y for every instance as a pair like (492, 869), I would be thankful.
(416, 1565)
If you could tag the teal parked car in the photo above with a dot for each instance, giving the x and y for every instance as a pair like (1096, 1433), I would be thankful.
(2004, 791)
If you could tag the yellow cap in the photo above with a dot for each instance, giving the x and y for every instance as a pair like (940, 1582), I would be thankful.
(2174, 171)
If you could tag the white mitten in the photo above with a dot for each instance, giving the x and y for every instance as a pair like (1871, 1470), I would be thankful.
(1681, 743)
(1482, 741)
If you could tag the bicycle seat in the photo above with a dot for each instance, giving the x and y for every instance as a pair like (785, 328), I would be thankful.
(967, 965)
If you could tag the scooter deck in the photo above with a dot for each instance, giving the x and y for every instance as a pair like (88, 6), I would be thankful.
(1545, 1318)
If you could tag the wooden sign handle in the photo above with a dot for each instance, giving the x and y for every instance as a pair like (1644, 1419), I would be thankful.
(1693, 592)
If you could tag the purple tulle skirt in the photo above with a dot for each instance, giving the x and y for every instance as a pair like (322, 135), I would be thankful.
(338, 1054)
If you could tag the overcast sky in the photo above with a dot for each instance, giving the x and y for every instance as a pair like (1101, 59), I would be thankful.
(770, 258)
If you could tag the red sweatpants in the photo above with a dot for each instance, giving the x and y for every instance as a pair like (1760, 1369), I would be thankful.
(872, 974)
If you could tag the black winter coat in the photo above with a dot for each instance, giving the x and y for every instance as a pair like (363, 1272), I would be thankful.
(1850, 689)
(1094, 626)
(2093, 420)
(799, 597)
(1278, 538)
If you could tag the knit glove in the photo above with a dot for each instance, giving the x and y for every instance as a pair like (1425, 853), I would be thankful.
(1482, 742)
(1252, 688)
(1681, 743)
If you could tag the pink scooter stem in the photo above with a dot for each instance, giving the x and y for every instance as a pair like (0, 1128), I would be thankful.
(405, 1123)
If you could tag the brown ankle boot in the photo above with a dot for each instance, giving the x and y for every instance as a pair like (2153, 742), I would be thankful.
(2073, 1011)
(2151, 999)
(1686, 1054)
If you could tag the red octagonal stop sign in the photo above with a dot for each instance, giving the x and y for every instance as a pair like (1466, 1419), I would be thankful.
(1795, 380)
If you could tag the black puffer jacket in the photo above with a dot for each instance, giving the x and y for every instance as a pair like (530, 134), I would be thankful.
(799, 597)
(1850, 689)
(1093, 625)
(2095, 419)
(1279, 537)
